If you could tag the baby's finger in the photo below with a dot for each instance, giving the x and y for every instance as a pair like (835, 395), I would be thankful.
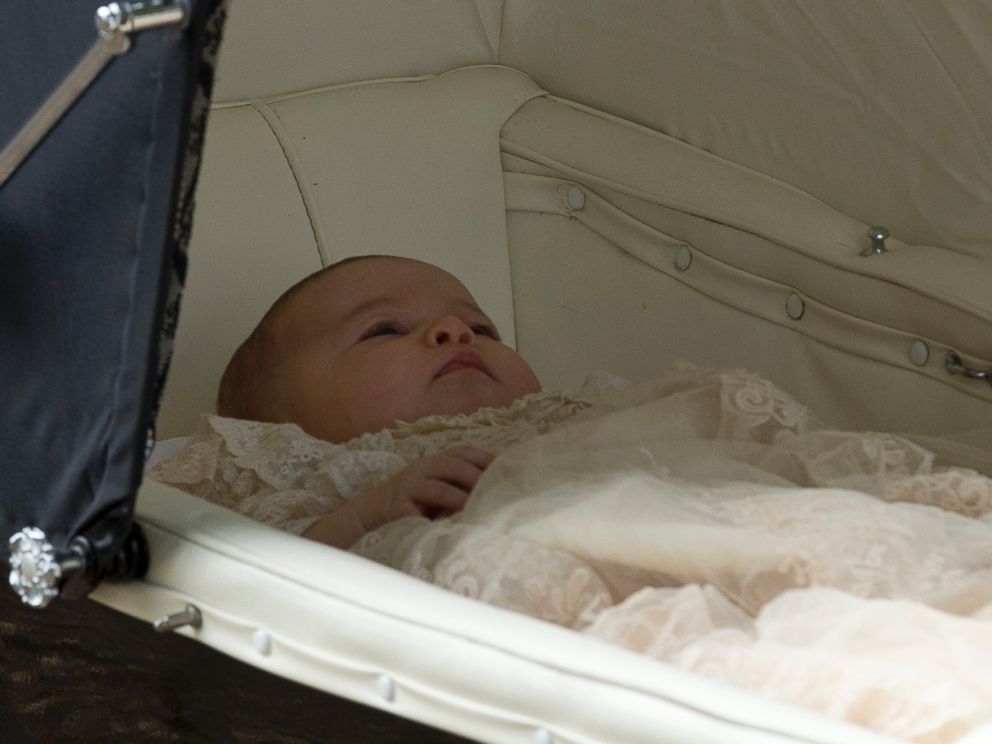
(478, 457)
(437, 495)
(453, 470)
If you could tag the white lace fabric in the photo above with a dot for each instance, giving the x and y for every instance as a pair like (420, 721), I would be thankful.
(278, 475)
(705, 519)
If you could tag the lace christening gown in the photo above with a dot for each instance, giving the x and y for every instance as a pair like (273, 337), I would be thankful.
(705, 519)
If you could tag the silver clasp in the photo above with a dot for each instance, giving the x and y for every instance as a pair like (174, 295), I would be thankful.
(878, 234)
(954, 365)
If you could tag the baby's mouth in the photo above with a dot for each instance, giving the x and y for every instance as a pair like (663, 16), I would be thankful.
(465, 360)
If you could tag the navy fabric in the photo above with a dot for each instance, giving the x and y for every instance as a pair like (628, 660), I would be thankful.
(86, 240)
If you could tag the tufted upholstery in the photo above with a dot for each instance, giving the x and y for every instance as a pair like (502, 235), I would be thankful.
(341, 129)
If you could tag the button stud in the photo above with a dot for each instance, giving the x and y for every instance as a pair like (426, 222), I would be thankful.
(683, 259)
(576, 197)
(795, 306)
(386, 687)
(262, 642)
(919, 353)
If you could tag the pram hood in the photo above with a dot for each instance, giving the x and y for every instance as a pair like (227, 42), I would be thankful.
(93, 229)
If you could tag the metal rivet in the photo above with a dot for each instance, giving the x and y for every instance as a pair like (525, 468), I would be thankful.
(386, 687)
(683, 259)
(543, 736)
(189, 616)
(877, 234)
(919, 353)
(795, 306)
(576, 198)
(262, 642)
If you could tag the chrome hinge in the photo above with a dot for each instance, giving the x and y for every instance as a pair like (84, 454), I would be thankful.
(114, 23)
(38, 570)
(954, 365)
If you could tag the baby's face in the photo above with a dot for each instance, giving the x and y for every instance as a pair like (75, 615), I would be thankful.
(384, 340)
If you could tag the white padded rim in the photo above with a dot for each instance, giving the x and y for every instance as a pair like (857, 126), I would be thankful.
(338, 623)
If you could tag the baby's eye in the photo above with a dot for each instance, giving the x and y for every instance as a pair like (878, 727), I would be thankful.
(382, 329)
(483, 329)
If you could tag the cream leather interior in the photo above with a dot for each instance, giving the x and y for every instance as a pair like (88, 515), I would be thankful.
(686, 181)
(769, 181)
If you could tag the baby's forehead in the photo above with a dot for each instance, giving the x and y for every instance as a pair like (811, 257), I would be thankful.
(379, 283)
(403, 303)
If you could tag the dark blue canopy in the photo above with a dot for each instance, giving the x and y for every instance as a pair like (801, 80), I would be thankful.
(93, 229)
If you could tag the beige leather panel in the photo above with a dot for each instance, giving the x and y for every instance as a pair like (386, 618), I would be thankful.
(411, 168)
(956, 309)
(757, 227)
(852, 374)
(251, 240)
(273, 48)
(658, 169)
(879, 108)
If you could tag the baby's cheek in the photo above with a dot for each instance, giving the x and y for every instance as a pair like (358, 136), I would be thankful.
(522, 379)
(355, 405)
(401, 393)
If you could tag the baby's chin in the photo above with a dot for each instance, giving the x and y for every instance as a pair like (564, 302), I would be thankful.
(470, 403)
(467, 393)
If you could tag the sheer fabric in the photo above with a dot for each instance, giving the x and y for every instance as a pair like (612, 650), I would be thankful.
(705, 519)
(278, 475)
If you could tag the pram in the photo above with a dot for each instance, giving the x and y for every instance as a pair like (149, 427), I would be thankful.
(654, 181)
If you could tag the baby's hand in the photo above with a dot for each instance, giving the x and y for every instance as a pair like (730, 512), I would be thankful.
(429, 486)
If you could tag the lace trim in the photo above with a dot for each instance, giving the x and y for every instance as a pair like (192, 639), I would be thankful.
(278, 475)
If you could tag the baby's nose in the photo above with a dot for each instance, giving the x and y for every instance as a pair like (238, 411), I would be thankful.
(450, 330)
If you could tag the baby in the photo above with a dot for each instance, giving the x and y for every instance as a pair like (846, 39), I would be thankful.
(361, 345)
